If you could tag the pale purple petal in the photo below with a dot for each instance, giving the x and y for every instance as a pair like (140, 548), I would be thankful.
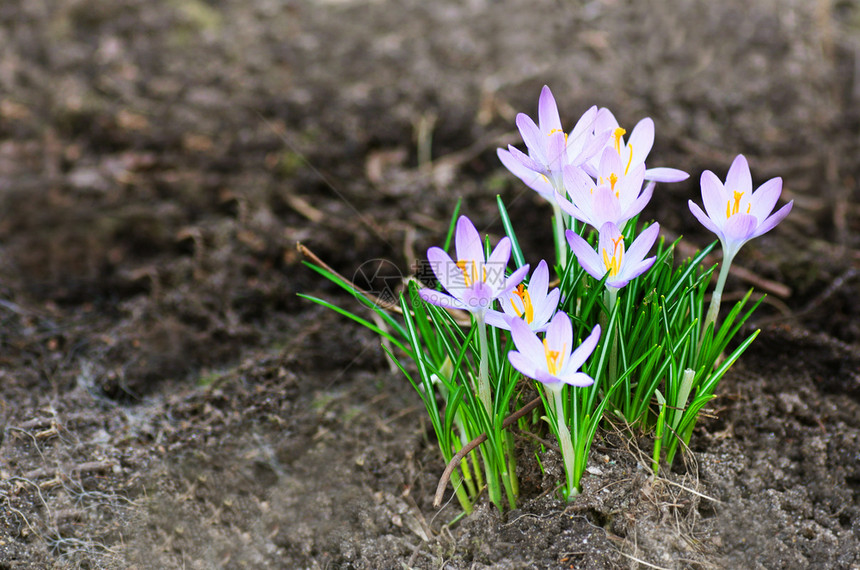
(478, 298)
(528, 343)
(740, 227)
(592, 147)
(582, 129)
(739, 178)
(556, 151)
(579, 379)
(643, 243)
(468, 243)
(772, 221)
(704, 219)
(532, 179)
(533, 137)
(445, 269)
(515, 279)
(547, 379)
(522, 363)
(606, 207)
(548, 307)
(539, 283)
(559, 334)
(440, 299)
(764, 199)
(497, 319)
(501, 254)
(639, 203)
(583, 351)
(610, 163)
(526, 160)
(605, 121)
(548, 119)
(570, 209)
(713, 196)
(641, 140)
(587, 257)
(663, 174)
(632, 272)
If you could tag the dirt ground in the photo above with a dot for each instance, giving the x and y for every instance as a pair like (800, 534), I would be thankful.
(168, 401)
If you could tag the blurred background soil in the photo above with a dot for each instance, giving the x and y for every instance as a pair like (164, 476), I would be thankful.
(168, 401)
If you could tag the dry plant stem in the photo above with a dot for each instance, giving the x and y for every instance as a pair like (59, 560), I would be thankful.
(455, 461)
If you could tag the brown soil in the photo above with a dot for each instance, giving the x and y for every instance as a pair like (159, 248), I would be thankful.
(167, 399)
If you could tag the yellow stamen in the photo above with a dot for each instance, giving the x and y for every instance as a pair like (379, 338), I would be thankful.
(471, 277)
(617, 134)
(554, 358)
(731, 211)
(613, 265)
(528, 312)
(613, 178)
(629, 159)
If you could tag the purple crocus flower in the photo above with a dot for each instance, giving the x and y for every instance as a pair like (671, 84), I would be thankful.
(623, 265)
(550, 149)
(634, 151)
(532, 304)
(551, 361)
(616, 198)
(734, 212)
(472, 282)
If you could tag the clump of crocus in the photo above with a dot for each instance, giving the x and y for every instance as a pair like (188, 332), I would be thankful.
(554, 363)
(533, 304)
(473, 282)
(736, 214)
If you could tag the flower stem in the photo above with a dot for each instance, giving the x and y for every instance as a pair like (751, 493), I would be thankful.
(560, 242)
(567, 453)
(716, 297)
(484, 366)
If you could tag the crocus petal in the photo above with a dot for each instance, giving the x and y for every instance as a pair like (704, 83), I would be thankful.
(556, 151)
(606, 207)
(539, 283)
(605, 121)
(703, 218)
(478, 297)
(501, 254)
(587, 257)
(532, 179)
(663, 174)
(635, 271)
(440, 299)
(593, 145)
(713, 196)
(548, 119)
(468, 243)
(764, 199)
(642, 244)
(532, 136)
(570, 209)
(547, 308)
(497, 319)
(739, 178)
(547, 379)
(527, 342)
(641, 140)
(515, 279)
(578, 379)
(559, 334)
(740, 227)
(639, 203)
(526, 160)
(584, 126)
(772, 221)
(584, 350)
(522, 363)
(445, 269)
